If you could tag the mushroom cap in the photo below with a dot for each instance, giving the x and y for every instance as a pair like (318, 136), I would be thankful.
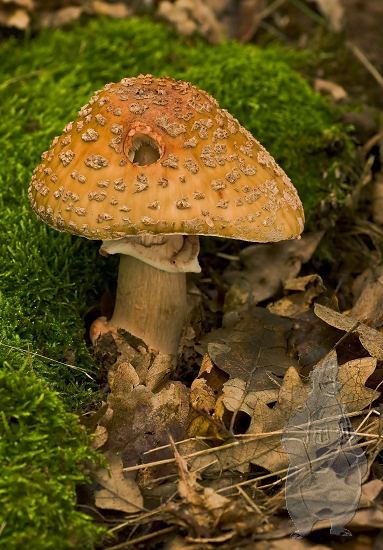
(158, 156)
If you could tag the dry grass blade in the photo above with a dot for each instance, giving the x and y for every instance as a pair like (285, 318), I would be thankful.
(29, 353)
(363, 59)
(20, 77)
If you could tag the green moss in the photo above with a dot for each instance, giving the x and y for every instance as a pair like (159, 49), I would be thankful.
(41, 449)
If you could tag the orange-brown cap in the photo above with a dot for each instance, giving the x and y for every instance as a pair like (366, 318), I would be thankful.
(154, 155)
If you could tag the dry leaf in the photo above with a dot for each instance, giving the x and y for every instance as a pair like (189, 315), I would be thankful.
(268, 451)
(371, 339)
(255, 347)
(202, 396)
(100, 437)
(114, 348)
(368, 288)
(367, 519)
(142, 420)
(292, 305)
(112, 10)
(234, 397)
(206, 505)
(176, 542)
(62, 17)
(370, 491)
(160, 368)
(28, 4)
(333, 11)
(353, 376)
(120, 491)
(19, 19)
(191, 16)
(337, 92)
(285, 544)
(268, 266)
(203, 399)
(254, 351)
(237, 297)
(123, 380)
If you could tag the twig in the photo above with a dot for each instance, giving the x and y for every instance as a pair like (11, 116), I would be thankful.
(176, 443)
(172, 460)
(96, 511)
(364, 179)
(29, 353)
(254, 480)
(373, 141)
(368, 65)
(206, 540)
(366, 418)
(141, 517)
(249, 500)
(144, 537)
(228, 257)
(29, 357)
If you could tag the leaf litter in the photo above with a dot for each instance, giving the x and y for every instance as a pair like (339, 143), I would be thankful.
(192, 449)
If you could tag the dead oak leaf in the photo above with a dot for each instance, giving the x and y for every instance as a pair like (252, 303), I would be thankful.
(120, 492)
(268, 451)
(353, 376)
(253, 350)
(371, 339)
(268, 266)
(141, 420)
(368, 292)
(263, 451)
(204, 506)
(309, 287)
(235, 397)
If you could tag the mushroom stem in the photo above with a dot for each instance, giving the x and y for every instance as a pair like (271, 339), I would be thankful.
(151, 300)
(150, 304)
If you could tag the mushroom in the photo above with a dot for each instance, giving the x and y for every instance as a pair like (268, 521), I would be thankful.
(148, 165)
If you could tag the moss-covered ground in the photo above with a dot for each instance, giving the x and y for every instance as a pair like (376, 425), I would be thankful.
(48, 280)
(41, 448)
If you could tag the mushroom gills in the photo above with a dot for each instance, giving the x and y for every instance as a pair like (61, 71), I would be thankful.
(144, 150)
